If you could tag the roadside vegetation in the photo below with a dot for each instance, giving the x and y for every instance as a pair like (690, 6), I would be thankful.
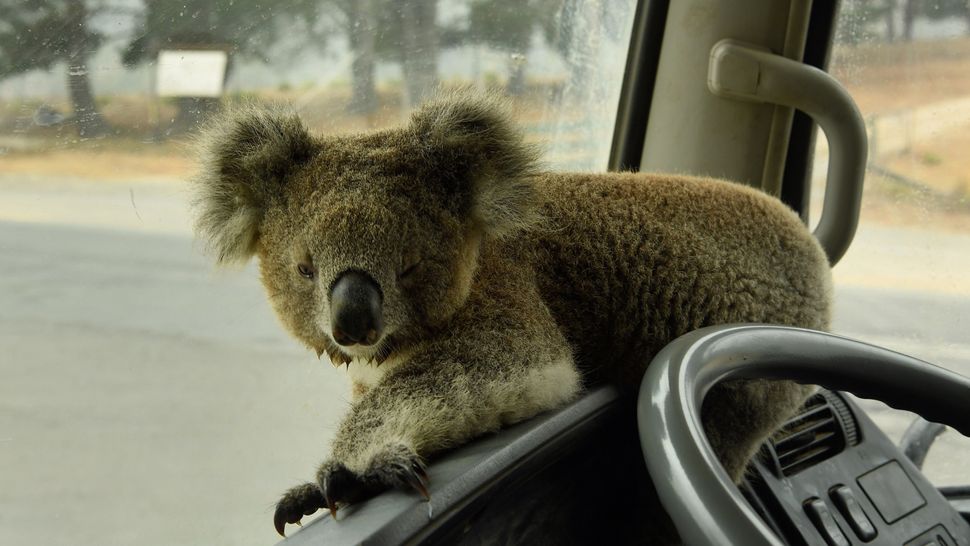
(917, 164)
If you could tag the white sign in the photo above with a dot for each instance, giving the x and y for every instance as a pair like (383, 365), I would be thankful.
(191, 73)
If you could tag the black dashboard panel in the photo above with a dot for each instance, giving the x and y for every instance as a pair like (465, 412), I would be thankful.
(576, 476)
(570, 477)
(832, 477)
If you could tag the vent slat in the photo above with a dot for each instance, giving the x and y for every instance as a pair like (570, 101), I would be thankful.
(814, 456)
(783, 443)
(816, 401)
(810, 416)
(813, 436)
(821, 439)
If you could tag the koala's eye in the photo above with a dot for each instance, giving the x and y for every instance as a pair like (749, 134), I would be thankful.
(306, 270)
(409, 270)
(409, 267)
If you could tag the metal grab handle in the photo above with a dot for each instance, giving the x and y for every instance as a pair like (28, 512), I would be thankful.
(745, 72)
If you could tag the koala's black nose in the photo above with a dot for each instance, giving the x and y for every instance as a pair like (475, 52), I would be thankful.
(356, 309)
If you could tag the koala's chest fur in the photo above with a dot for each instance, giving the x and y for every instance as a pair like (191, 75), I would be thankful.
(365, 375)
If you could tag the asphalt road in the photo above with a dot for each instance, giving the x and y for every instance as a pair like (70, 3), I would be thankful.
(146, 399)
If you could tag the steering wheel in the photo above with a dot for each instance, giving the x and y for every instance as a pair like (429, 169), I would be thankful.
(706, 507)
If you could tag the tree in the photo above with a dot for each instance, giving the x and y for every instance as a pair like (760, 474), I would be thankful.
(360, 21)
(889, 12)
(909, 18)
(857, 18)
(38, 34)
(409, 34)
(362, 28)
(244, 28)
(401, 32)
(576, 29)
(506, 25)
(509, 25)
(943, 9)
(420, 33)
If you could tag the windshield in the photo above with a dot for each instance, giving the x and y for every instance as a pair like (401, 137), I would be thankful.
(144, 398)
(904, 283)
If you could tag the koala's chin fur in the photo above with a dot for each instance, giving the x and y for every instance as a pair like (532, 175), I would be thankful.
(505, 290)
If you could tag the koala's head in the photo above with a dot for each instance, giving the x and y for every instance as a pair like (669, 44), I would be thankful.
(365, 242)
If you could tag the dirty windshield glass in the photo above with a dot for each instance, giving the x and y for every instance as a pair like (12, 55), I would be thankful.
(905, 282)
(146, 398)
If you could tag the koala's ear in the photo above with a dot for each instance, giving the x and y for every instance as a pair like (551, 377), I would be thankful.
(473, 144)
(246, 155)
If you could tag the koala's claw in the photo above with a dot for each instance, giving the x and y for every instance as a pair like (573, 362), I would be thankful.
(419, 486)
(300, 501)
(418, 478)
(398, 466)
(332, 506)
(340, 485)
(418, 466)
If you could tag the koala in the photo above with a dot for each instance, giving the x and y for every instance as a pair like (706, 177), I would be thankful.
(466, 289)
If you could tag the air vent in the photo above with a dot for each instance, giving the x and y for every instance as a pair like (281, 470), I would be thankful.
(814, 435)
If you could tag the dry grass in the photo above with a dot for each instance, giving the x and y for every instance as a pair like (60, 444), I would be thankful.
(882, 78)
(941, 164)
(890, 202)
(891, 77)
(887, 77)
(138, 149)
(164, 162)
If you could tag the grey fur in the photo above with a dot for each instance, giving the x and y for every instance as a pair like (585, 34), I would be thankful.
(486, 329)
(477, 142)
(245, 156)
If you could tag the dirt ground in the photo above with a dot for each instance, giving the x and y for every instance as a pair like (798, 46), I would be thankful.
(941, 163)
(887, 77)
(108, 163)
(139, 153)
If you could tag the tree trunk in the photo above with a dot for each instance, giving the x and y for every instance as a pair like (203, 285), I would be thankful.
(419, 49)
(585, 41)
(87, 117)
(516, 83)
(909, 17)
(362, 26)
(890, 21)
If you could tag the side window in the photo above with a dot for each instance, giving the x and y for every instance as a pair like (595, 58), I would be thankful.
(905, 282)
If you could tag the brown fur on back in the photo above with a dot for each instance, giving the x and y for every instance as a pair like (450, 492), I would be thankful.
(628, 262)
(503, 290)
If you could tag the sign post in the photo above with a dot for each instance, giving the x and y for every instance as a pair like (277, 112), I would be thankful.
(196, 73)
(191, 73)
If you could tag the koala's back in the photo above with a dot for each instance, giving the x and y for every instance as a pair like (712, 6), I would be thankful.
(627, 262)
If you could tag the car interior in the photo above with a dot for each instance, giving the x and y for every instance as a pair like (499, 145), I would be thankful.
(764, 93)
(830, 475)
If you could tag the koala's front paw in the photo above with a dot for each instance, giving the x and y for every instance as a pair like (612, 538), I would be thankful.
(300, 501)
(394, 466)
